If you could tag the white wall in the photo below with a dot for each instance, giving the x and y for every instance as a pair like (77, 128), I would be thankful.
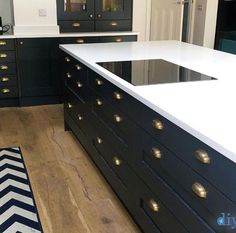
(27, 19)
(6, 11)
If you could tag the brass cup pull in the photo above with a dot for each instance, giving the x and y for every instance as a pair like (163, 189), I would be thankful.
(117, 118)
(117, 95)
(6, 91)
(202, 156)
(2, 43)
(118, 40)
(99, 140)
(99, 82)
(99, 15)
(156, 153)
(79, 84)
(4, 67)
(80, 117)
(157, 124)
(117, 161)
(76, 25)
(78, 67)
(3, 55)
(99, 102)
(67, 59)
(113, 24)
(69, 105)
(4, 79)
(68, 75)
(153, 206)
(199, 190)
(80, 41)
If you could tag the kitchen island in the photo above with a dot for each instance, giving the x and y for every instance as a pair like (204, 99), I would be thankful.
(168, 150)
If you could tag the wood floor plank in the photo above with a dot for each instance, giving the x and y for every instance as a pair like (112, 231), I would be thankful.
(71, 194)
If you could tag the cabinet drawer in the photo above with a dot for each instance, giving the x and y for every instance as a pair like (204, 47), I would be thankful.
(7, 68)
(118, 38)
(76, 26)
(199, 156)
(7, 56)
(7, 44)
(8, 92)
(197, 192)
(79, 40)
(113, 25)
(9, 80)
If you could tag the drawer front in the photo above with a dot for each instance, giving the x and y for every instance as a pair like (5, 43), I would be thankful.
(113, 25)
(196, 191)
(8, 92)
(9, 80)
(79, 40)
(7, 56)
(7, 68)
(118, 39)
(200, 157)
(76, 26)
(7, 44)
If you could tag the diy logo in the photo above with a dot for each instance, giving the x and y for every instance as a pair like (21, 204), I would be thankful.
(227, 220)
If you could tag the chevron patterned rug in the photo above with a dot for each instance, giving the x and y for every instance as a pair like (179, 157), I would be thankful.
(18, 211)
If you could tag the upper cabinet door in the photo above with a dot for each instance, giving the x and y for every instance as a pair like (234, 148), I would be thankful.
(75, 9)
(113, 9)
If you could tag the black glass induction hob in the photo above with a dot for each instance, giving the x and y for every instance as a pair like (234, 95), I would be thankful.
(157, 71)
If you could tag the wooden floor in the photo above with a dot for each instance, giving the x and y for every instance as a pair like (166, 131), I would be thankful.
(71, 194)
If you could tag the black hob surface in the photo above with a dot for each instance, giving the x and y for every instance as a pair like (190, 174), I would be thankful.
(147, 72)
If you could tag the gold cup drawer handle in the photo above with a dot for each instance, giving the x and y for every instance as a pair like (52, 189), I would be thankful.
(68, 75)
(117, 161)
(4, 67)
(114, 24)
(199, 190)
(99, 82)
(80, 117)
(4, 79)
(157, 124)
(117, 95)
(156, 152)
(76, 25)
(118, 39)
(6, 91)
(78, 67)
(3, 43)
(99, 102)
(79, 84)
(153, 205)
(99, 140)
(80, 41)
(3, 55)
(117, 118)
(67, 59)
(202, 156)
(69, 105)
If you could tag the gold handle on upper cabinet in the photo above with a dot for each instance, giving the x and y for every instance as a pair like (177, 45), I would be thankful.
(4, 79)
(118, 39)
(99, 140)
(156, 153)
(99, 102)
(69, 105)
(68, 75)
(80, 117)
(99, 82)
(113, 24)
(157, 124)
(117, 95)
(153, 206)
(76, 25)
(78, 67)
(199, 190)
(202, 156)
(117, 118)
(67, 59)
(2, 43)
(79, 84)
(3, 67)
(117, 161)
(3, 55)
(6, 91)
(80, 41)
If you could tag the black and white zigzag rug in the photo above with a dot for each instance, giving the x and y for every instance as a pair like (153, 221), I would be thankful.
(18, 211)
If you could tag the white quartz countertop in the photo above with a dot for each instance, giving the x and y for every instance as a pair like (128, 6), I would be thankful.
(205, 109)
(82, 34)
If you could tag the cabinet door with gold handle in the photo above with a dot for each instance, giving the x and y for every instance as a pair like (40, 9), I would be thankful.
(199, 190)
(202, 156)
